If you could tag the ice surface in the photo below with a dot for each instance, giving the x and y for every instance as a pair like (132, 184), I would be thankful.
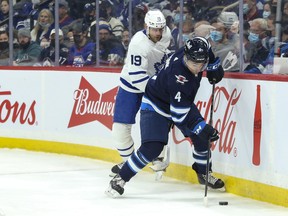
(43, 184)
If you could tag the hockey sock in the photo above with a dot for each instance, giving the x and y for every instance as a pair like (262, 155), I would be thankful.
(139, 159)
(201, 161)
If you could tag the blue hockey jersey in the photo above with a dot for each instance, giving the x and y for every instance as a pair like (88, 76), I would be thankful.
(172, 91)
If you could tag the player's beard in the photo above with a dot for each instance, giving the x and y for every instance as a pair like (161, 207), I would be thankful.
(155, 39)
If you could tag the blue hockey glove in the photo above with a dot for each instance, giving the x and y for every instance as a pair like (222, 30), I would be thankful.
(215, 71)
(206, 131)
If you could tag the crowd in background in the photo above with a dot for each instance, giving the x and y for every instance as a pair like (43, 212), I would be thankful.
(81, 43)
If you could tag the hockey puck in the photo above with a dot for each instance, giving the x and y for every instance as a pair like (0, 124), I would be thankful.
(223, 203)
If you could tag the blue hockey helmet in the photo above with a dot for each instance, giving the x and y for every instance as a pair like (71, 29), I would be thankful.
(197, 49)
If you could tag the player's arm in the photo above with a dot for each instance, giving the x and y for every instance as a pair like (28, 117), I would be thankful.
(188, 119)
(214, 69)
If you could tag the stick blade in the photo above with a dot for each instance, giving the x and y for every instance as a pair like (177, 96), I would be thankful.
(205, 201)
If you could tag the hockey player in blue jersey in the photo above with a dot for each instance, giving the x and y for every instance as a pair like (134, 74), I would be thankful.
(169, 99)
(146, 53)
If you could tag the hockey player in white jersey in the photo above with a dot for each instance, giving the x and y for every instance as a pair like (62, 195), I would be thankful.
(146, 54)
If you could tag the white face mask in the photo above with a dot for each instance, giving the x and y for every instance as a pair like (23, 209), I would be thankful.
(266, 14)
(245, 8)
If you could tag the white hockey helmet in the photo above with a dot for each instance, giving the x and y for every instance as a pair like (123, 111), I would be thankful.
(155, 19)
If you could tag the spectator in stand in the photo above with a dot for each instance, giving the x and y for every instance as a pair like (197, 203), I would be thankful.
(111, 52)
(107, 14)
(267, 10)
(4, 13)
(40, 33)
(187, 29)
(64, 17)
(250, 10)
(139, 10)
(47, 56)
(187, 14)
(4, 48)
(285, 12)
(22, 11)
(28, 52)
(81, 52)
(225, 49)
(125, 40)
(87, 19)
(257, 53)
(174, 32)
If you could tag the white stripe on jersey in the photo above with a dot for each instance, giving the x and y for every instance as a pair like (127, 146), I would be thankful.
(179, 112)
(146, 100)
(133, 166)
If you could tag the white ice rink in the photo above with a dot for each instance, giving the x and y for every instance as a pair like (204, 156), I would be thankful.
(41, 184)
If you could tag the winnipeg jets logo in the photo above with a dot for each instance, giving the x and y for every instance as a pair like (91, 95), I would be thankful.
(181, 79)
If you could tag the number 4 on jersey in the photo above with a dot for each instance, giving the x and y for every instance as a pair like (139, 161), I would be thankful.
(178, 96)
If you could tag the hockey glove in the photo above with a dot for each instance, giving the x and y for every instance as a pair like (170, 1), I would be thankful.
(206, 131)
(215, 71)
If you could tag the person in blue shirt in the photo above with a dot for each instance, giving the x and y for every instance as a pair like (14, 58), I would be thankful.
(169, 100)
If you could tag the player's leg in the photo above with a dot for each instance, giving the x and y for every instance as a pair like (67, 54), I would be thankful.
(200, 153)
(126, 107)
(154, 135)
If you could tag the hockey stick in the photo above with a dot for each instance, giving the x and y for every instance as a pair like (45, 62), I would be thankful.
(209, 144)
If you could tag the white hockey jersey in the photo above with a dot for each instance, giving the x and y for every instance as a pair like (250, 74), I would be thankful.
(144, 58)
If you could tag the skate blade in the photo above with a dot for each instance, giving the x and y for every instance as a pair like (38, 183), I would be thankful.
(112, 174)
(158, 175)
(112, 193)
(223, 189)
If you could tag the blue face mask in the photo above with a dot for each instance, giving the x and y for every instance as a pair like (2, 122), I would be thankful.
(185, 37)
(245, 8)
(266, 14)
(177, 18)
(216, 36)
(253, 38)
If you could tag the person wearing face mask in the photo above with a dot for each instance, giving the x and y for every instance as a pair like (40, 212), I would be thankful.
(110, 49)
(47, 56)
(83, 48)
(267, 10)
(4, 48)
(40, 33)
(28, 52)
(255, 50)
(222, 46)
(87, 19)
(250, 10)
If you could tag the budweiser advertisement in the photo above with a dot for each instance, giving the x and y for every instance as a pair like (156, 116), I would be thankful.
(77, 107)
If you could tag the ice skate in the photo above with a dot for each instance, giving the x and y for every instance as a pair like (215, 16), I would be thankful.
(158, 167)
(116, 187)
(116, 169)
(213, 182)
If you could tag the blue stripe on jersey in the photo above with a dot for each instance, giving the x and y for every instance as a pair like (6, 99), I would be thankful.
(128, 84)
(137, 72)
(147, 102)
(141, 80)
